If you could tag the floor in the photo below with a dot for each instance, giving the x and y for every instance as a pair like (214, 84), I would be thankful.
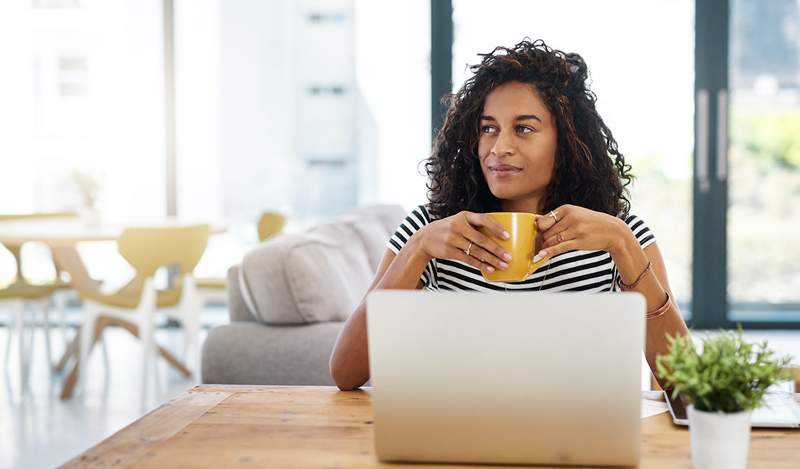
(42, 431)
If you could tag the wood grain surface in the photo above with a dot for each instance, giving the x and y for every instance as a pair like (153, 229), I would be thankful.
(215, 426)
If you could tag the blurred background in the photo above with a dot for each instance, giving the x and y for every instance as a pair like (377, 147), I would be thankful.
(212, 111)
(223, 110)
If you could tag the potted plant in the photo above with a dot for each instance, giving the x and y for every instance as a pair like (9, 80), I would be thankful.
(722, 385)
(87, 185)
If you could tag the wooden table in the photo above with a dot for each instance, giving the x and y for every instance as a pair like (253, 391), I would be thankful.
(218, 426)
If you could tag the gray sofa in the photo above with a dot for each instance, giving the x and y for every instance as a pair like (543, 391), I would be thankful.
(288, 299)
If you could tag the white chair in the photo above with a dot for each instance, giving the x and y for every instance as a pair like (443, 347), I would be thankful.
(148, 250)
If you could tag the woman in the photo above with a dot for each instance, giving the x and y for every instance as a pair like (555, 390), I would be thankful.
(522, 135)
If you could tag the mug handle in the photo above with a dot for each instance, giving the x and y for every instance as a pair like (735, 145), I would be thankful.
(535, 265)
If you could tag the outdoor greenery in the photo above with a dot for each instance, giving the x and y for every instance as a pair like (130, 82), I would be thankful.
(770, 138)
(729, 375)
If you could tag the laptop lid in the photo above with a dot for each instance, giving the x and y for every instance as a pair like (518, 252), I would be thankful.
(525, 378)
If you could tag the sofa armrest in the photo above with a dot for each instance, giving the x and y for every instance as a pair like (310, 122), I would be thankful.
(236, 306)
(254, 353)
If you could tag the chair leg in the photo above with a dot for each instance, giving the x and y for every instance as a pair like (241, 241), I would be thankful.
(19, 325)
(190, 310)
(60, 302)
(46, 326)
(148, 342)
(106, 360)
(87, 335)
(11, 327)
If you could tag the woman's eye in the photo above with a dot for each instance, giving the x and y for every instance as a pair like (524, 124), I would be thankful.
(487, 129)
(523, 129)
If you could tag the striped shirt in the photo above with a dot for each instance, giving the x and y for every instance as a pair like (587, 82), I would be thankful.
(590, 271)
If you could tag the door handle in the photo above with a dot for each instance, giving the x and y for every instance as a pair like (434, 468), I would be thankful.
(722, 134)
(701, 160)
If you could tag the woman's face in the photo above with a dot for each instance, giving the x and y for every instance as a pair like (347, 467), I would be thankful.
(517, 145)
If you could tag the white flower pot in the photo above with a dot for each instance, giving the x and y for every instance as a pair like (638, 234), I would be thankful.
(719, 440)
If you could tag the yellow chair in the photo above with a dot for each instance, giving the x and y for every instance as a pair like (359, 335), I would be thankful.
(21, 297)
(269, 224)
(147, 250)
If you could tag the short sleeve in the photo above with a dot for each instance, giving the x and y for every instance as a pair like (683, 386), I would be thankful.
(640, 230)
(415, 220)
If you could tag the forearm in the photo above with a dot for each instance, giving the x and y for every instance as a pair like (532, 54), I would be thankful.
(631, 261)
(349, 362)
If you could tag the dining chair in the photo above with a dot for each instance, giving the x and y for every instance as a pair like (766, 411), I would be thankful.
(23, 300)
(62, 288)
(270, 224)
(136, 305)
(26, 299)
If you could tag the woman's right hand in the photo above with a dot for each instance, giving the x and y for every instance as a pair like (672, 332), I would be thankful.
(452, 237)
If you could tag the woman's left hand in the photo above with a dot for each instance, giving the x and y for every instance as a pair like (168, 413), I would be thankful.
(570, 227)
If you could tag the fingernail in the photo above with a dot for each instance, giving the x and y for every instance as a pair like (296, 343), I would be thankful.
(503, 265)
(506, 235)
(489, 268)
(539, 256)
(507, 256)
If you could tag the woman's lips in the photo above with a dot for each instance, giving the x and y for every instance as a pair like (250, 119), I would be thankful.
(504, 170)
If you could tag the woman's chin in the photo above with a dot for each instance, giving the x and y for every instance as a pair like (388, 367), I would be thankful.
(504, 193)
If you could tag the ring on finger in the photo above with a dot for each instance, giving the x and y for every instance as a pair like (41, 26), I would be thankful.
(554, 214)
(466, 251)
(560, 238)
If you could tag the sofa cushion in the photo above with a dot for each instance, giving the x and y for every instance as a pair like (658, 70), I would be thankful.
(315, 276)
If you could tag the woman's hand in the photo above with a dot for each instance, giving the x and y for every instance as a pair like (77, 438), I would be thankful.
(570, 228)
(457, 237)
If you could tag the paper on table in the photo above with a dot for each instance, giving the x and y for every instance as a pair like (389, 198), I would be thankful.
(651, 407)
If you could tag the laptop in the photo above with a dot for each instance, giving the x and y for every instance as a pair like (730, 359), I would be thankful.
(779, 410)
(506, 378)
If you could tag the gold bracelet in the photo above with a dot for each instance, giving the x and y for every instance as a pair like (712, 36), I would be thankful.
(661, 310)
(624, 286)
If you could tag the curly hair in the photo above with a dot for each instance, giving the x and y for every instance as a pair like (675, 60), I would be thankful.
(589, 170)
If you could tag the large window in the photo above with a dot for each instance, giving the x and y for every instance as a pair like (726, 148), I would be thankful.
(304, 107)
(82, 107)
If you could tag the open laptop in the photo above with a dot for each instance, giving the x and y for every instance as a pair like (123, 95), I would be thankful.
(509, 378)
(779, 410)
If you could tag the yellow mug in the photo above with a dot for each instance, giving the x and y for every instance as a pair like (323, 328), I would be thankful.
(521, 245)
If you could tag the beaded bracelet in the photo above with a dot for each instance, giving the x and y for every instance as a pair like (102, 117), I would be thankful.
(626, 286)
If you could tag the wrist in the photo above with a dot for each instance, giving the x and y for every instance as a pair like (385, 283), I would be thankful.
(416, 248)
(624, 241)
(628, 254)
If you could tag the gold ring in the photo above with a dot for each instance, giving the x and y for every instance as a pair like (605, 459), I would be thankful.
(553, 214)
(466, 251)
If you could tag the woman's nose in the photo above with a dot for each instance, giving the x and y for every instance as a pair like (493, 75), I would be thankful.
(503, 145)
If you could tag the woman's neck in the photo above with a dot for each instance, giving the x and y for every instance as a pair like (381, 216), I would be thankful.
(530, 205)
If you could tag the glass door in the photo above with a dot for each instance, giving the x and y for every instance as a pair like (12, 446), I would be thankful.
(763, 161)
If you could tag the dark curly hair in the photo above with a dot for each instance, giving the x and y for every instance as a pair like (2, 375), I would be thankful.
(589, 170)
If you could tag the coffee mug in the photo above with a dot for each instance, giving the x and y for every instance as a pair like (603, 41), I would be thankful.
(521, 245)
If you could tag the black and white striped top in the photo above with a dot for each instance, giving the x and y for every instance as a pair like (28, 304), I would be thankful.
(590, 271)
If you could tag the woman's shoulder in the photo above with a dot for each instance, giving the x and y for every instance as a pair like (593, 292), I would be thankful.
(640, 229)
(416, 219)
(420, 215)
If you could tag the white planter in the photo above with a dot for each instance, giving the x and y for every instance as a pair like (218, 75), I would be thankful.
(719, 440)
